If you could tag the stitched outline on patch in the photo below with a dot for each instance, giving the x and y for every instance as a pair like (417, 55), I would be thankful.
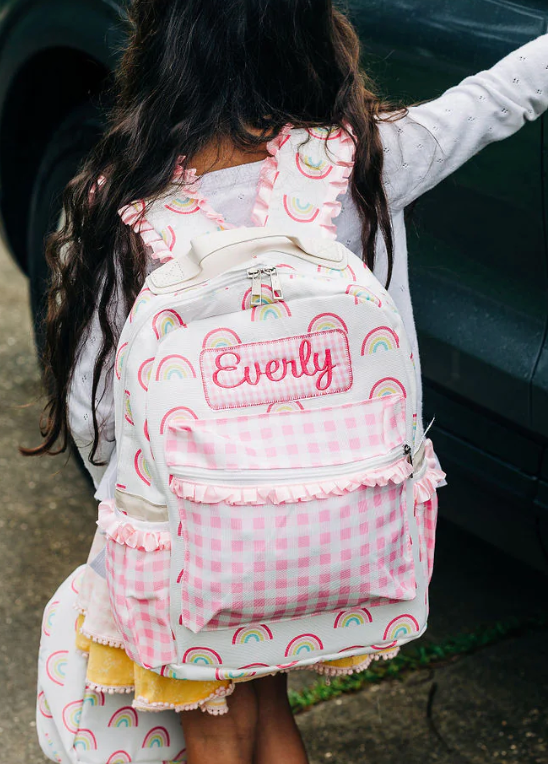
(344, 349)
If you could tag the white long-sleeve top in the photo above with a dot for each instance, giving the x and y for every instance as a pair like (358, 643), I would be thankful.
(420, 150)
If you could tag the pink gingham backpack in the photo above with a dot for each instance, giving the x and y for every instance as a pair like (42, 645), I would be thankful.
(275, 503)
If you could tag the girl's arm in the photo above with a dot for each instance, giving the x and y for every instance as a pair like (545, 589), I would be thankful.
(80, 409)
(437, 137)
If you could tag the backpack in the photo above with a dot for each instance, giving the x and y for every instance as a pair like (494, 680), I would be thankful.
(272, 470)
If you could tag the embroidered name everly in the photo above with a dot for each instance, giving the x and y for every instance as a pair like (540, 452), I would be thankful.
(231, 373)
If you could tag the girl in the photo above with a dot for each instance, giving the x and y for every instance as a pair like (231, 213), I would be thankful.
(205, 90)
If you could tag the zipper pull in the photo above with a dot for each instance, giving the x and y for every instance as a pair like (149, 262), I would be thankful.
(408, 451)
(256, 286)
(275, 283)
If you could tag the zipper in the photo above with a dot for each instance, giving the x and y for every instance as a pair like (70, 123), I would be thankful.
(287, 476)
(271, 273)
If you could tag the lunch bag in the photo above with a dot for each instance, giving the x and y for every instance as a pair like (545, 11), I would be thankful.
(275, 498)
(77, 725)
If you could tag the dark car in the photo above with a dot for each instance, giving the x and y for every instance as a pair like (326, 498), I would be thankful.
(477, 243)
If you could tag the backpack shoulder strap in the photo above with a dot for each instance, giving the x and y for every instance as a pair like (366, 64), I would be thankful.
(301, 182)
(168, 224)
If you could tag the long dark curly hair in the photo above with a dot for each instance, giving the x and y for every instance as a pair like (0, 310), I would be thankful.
(196, 73)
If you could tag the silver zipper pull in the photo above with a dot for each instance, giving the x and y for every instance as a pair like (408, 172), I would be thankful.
(275, 283)
(256, 286)
(408, 451)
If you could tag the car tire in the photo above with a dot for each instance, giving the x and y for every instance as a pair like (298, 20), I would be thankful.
(69, 145)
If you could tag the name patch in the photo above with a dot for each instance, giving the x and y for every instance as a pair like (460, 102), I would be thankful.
(288, 369)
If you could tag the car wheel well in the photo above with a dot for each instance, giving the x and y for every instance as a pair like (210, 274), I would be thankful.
(45, 90)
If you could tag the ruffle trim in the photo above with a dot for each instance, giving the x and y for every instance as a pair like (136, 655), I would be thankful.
(109, 689)
(334, 671)
(268, 177)
(108, 642)
(338, 180)
(142, 704)
(133, 215)
(289, 494)
(425, 487)
(123, 532)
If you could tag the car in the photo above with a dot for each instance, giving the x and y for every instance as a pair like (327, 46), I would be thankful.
(478, 248)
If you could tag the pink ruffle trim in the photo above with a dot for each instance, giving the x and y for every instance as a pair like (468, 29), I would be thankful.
(268, 176)
(338, 180)
(338, 183)
(123, 532)
(133, 215)
(286, 494)
(425, 487)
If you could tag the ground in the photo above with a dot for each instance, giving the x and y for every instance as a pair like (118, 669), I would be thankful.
(481, 708)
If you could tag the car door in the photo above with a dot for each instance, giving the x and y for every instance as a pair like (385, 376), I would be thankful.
(477, 263)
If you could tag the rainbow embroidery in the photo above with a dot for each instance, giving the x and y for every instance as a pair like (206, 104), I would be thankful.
(220, 338)
(145, 370)
(85, 740)
(166, 321)
(183, 205)
(128, 416)
(301, 212)
(304, 643)
(124, 717)
(141, 467)
(336, 273)
(362, 294)
(325, 133)
(401, 627)
(168, 235)
(142, 299)
(307, 166)
(119, 757)
(179, 413)
(259, 633)
(49, 616)
(77, 579)
(158, 737)
(269, 308)
(56, 667)
(202, 656)
(222, 674)
(279, 408)
(120, 358)
(43, 706)
(174, 367)
(54, 753)
(387, 386)
(180, 758)
(94, 698)
(380, 339)
(72, 715)
(326, 322)
(357, 616)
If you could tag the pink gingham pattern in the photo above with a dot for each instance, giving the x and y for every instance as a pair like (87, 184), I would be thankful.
(138, 584)
(427, 515)
(287, 369)
(247, 564)
(320, 437)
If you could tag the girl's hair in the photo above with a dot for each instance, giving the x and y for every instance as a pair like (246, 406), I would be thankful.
(196, 72)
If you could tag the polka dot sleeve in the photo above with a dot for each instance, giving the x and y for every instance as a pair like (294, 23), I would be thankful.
(437, 137)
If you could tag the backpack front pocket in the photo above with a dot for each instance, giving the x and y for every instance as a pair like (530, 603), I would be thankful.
(284, 515)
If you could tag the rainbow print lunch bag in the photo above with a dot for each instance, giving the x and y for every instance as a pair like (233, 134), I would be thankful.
(274, 505)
